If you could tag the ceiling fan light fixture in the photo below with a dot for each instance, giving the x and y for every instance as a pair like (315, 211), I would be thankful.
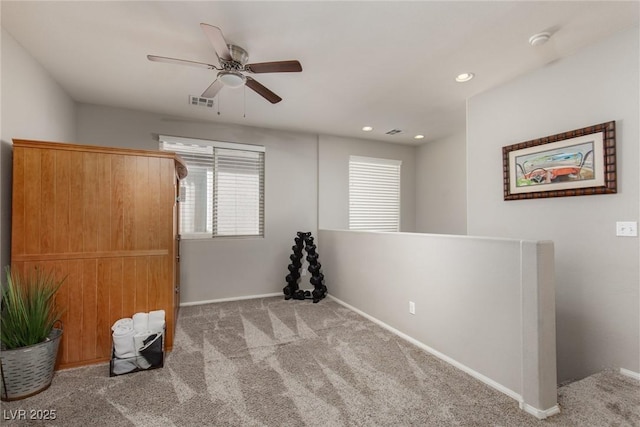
(232, 78)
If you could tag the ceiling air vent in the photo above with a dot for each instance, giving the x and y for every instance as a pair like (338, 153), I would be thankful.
(393, 131)
(199, 101)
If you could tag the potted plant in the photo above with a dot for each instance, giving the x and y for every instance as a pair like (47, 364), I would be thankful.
(29, 334)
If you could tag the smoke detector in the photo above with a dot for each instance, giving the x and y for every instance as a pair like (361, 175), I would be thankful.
(539, 39)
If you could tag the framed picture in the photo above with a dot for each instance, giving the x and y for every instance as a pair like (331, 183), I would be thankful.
(575, 163)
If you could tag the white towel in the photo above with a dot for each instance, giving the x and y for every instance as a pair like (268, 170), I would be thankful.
(156, 321)
(141, 322)
(127, 322)
(123, 342)
(123, 366)
(138, 340)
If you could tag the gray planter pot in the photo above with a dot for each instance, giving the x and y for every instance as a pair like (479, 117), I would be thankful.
(28, 370)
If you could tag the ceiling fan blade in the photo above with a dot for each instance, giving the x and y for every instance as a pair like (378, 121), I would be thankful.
(275, 67)
(213, 89)
(214, 34)
(180, 62)
(263, 91)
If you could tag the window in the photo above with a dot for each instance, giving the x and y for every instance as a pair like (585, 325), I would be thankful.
(374, 194)
(223, 194)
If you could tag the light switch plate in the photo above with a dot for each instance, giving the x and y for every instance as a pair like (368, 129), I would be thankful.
(627, 228)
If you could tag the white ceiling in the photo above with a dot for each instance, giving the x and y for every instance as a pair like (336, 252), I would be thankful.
(385, 64)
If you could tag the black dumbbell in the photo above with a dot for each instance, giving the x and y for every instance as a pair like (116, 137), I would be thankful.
(292, 287)
(287, 292)
(318, 294)
(314, 268)
(294, 257)
(316, 281)
(293, 268)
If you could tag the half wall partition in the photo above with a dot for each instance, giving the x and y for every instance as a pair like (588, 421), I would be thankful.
(485, 305)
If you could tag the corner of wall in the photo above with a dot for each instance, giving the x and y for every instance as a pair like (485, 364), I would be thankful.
(539, 372)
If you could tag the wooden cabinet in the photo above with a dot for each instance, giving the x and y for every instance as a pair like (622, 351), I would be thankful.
(106, 219)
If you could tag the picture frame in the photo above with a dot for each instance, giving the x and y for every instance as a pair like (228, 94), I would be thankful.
(575, 163)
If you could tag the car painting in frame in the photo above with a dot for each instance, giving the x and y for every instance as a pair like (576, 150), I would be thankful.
(575, 163)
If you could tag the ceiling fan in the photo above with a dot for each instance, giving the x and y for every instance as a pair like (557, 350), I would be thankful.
(233, 63)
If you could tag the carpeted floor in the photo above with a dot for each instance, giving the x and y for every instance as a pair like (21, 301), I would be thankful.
(270, 362)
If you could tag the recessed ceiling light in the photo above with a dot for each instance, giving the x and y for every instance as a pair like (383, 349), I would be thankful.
(367, 128)
(418, 137)
(540, 38)
(464, 77)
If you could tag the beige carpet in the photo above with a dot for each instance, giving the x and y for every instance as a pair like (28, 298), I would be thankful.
(270, 362)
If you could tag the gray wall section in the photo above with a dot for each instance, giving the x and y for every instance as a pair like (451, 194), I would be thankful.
(466, 308)
(441, 186)
(228, 267)
(333, 178)
(597, 273)
(34, 106)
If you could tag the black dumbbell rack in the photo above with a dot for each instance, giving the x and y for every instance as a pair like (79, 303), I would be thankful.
(304, 241)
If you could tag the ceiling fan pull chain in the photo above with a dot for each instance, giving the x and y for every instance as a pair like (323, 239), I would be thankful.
(244, 102)
(219, 104)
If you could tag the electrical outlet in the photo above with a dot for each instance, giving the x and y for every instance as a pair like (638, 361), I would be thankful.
(627, 228)
(412, 307)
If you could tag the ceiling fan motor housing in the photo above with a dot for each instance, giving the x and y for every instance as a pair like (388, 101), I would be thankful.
(238, 54)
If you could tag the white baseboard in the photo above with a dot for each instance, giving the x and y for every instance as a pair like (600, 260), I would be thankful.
(211, 301)
(631, 374)
(538, 413)
(436, 353)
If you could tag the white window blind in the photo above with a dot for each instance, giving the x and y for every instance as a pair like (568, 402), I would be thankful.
(374, 194)
(238, 193)
(223, 194)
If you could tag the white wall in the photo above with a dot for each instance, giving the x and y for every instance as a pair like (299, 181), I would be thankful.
(333, 178)
(34, 106)
(597, 273)
(228, 267)
(441, 186)
(484, 304)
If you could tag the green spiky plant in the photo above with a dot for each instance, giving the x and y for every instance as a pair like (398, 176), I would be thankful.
(28, 311)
